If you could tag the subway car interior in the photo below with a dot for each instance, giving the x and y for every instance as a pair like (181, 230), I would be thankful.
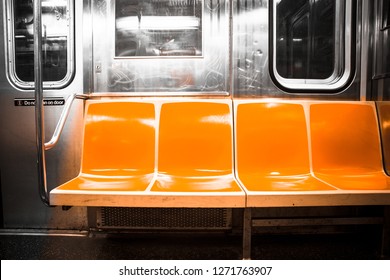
(211, 129)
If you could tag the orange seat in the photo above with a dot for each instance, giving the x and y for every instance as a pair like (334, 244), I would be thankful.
(273, 152)
(384, 118)
(117, 157)
(195, 155)
(346, 146)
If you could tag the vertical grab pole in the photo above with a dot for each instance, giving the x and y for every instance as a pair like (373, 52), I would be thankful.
(39, 111)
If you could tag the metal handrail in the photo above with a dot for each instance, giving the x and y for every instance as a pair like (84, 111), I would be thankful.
(61, 122)
(39, 112)
(39, 108)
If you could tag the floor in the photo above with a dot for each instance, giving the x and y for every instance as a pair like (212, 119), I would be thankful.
(190, 246)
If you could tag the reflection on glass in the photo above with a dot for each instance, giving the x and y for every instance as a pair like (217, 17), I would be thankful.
(305, 39)
(55, 32)
(158, 28)
(300, 47)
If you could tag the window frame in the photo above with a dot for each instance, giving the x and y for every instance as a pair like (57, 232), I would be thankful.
(11, 51)
(343, 62)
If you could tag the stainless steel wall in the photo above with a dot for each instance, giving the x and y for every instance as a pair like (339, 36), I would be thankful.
(251, 55)
(205, 74)
(235, 56)
(22, 207)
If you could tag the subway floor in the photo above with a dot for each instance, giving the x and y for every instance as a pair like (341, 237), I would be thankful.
(358, 245)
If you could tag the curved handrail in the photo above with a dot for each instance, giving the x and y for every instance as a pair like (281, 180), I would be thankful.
(61, 122)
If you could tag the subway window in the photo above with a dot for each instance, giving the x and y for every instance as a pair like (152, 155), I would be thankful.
(57, 42)
(311, 44)
(158, 28)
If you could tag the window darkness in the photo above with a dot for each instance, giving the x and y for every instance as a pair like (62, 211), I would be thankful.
(305, 39)
(386, 15)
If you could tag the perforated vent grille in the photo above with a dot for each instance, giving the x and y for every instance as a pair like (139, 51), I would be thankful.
(164, 218)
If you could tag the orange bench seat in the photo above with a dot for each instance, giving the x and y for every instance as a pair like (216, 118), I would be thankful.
(179, 153)
(155, 154)
(346, 146)
(300, 153)
(118, 155)
(195, 155)
(272, 154)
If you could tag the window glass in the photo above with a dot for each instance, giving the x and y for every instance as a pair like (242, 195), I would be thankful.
(311, 44)
(300, 48)
(56, 41)
(158, 28)
(305, 39)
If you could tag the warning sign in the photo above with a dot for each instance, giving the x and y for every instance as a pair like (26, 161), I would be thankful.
(46, 102)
